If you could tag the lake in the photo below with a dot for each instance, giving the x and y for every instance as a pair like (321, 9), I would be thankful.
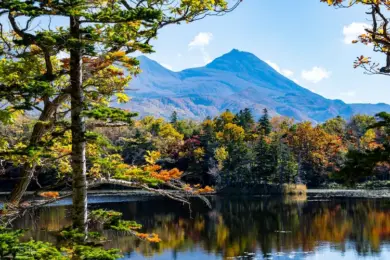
(238, 227)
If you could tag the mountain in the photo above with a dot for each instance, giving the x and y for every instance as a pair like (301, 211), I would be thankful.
(234, 81)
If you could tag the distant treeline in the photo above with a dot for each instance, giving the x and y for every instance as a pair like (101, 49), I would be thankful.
(230, 150)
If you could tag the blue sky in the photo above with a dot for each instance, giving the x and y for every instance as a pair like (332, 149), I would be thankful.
(305, 40)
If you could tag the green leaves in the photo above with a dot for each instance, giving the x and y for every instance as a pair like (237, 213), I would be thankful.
(110, 114)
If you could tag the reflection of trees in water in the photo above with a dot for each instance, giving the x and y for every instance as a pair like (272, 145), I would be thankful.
(238, 225)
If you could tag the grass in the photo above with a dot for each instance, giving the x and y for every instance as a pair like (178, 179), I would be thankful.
(294, 189)
(295, 199)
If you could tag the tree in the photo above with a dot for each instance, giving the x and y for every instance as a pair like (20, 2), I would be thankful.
(376, 35)
(174, 118)
(264, 123)
(335, 126)
(98, 37)
(265, 159)
(361, 163)
(316, 151)
(286, 166)
(244, 118)
(357, 128)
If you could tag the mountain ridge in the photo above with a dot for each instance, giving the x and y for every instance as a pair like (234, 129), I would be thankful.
(234, 81)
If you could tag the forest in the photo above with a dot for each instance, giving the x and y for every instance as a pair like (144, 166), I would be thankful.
(227, 151)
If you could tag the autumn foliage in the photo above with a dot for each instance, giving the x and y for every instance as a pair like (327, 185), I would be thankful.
(49, 194)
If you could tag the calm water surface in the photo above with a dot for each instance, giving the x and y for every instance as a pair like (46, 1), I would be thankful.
(239, 228)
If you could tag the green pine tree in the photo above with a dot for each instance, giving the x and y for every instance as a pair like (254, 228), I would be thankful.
(286, 164)
(264, 123)
(265, 160)
(244, 118)
(174, 118)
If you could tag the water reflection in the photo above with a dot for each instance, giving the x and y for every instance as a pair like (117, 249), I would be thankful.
(257, 228)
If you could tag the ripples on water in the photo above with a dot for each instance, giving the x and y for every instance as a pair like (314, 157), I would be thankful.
(239, 228)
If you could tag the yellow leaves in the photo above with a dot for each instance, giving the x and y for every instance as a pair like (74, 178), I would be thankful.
(9, 115)
(335, 2)
(208, 124)
(50, 194)
(225, 118)
(221, 154)
(95, 170)
(200, 5)
(122, 97)
(367, 141)
(152, 157)
(231, 132)
(169, 132)
(115, 55)
(199, 153)
(64, 166)
(35, 49)
(3, 144)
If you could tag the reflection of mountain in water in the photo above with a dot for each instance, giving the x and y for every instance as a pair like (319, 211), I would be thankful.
(239, 226)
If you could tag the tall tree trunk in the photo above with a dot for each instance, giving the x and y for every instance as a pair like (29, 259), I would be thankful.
(40, 128)
(79, 184)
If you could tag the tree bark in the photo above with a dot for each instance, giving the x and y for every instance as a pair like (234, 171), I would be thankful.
(40, 128)
(79, 184)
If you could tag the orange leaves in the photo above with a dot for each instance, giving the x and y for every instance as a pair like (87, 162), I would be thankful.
(206, 189)
(153, 238)
(196, 189)
(166, 175)
(50, 194)
(152, 168)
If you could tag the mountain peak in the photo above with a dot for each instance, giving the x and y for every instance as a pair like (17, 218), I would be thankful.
(148, 62)
(152, 67)
(234, 81)
(238, 61)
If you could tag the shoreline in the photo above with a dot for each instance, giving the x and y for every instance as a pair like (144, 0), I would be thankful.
(329, 193)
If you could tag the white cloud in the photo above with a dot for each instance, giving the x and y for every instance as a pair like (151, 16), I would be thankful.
(273, 65)
(285, 72)
(167, 66)
(353, 30)
(295, 80)
(315, 75)
(201, 39)
(348, 94)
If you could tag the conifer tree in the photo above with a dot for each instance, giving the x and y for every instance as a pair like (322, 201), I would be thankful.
(174, 118)
(244, 118)
(264, 123)
(265, 159)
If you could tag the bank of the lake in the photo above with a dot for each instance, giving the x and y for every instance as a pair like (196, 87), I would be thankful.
(315, 193)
